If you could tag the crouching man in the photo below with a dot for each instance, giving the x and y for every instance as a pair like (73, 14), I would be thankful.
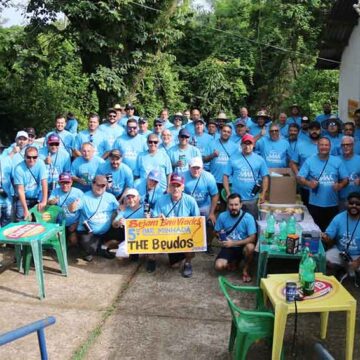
(343, 237)
(98, 209)
(237, 234)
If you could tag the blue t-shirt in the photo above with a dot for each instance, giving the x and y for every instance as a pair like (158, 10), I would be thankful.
(202, 189)
(304, 150)
(6, 168)
(71, 126)
(293, 120)
(123, 121)
(243, 179)
(341, 228)
(98, 139)
(275, 153)
(335, 143)
(60, 162)
(218, 164)
(334, 171)
(86, 170)
(112, 132)
(130, 147)
(129, 213)
(122, 177)
(185, 207)
(284, 131)
(303, 135)
(244, 229)
(30, 178)
(202, 142)
(323, 117)
(353, 167)
(255, 129)
(147, 162)
(67, 140)
(149, 196)
(185, 155)
(67, 198)
(97, 210)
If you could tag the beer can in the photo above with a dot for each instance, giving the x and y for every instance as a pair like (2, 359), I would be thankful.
(222, 235)
(290, 291)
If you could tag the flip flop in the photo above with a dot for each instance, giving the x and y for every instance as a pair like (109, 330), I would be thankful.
(246, 278)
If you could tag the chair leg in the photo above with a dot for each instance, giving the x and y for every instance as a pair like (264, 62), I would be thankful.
(60, 258)
(27, 259)
(232, 336)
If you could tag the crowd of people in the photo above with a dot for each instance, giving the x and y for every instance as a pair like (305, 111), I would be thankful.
(122, 168)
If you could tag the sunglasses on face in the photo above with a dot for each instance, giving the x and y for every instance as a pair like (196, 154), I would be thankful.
(54, 144)
(152, 142)
(29, 157)
(184, 137)
(112, 116)
(158, 125)
(274, 131)
(354, 203)
(132, 127)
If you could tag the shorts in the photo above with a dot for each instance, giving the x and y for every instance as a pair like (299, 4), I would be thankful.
(333, 257)
(232, 255)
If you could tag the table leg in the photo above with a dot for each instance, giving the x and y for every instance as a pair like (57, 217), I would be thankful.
(350, 331)
(62, 240)
(262, 264)
(324, 317)
(39, 270)
(279, 330)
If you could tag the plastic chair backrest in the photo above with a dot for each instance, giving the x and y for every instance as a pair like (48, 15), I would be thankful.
(52, 214)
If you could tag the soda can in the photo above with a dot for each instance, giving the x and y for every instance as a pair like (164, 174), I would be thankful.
(222, 235)
(290, 291)
(109, 178)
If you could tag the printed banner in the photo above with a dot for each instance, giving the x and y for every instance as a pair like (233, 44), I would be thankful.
(23, 231)
(170, 235)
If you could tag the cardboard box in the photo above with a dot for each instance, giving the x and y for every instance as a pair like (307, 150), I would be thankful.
(282, 188)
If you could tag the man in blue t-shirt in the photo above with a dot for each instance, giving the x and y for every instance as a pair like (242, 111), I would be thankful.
(326, 113)
(237, 235)
(6, 190)
(177, 204)
(111, 128)
(69, 199)
(343, 234)
(325, 175)
(250, 176)
(97, 211)
(30, 179)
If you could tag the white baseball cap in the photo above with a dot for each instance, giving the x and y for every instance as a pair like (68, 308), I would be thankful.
(196, 162)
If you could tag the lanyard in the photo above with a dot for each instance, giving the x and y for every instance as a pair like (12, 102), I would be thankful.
(347, 230)
(147, 196)
(224, 148)
(66, 198)
(174, 205)
(192, 193)
(133, 212)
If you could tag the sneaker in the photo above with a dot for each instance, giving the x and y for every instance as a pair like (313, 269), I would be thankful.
(88, 258)
(150, 266)
(106, 254)
(187, 270)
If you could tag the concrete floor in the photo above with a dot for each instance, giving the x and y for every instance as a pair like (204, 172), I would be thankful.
(112, 310)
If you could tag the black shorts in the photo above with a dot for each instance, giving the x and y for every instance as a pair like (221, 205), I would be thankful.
(232, 255)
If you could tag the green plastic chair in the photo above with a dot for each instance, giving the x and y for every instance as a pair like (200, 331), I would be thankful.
(55, 215)
(247, 326)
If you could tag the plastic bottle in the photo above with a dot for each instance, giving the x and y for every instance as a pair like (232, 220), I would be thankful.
(291, 225)
(283, 230)
(270, 226)
(305, 254)
(308, 276)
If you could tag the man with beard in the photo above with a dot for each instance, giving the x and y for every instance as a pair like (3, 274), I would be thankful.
(294, 117)
(120, 174)
(333, 126)
(240, 130)
(304, 150)
(201, 139)
(326, 113)
(293, 133)
(111, 128)
(343, 234)
(130, 144)
(325, 175)
(177, 204)
(237, 235)
(352, 164)
(129, 114)
(304, 128)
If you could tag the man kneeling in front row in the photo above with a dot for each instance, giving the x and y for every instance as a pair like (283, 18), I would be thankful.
(237, 234)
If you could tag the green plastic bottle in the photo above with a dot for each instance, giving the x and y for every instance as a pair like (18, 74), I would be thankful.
(305, 254)
(308, 276)
(270, 226)
(291, 225)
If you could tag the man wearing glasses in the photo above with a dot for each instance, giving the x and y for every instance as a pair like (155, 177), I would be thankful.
(143, 127)
(67, 139)
(167, 141)
(343, 236)
(274, 150)
(30, 180)
(32, 136)
(130, 144)
(57, 160)
(98, 210)
(151, 159)
(250, 176)
(181, 154)
(111, 128)
(158, 127)
(129, 114)
(352, 164)
(94, 136)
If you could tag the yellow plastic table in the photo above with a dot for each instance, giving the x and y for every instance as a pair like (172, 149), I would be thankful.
(30, 233)
(338, 299)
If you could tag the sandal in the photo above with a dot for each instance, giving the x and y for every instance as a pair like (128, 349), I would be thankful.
(246, 278)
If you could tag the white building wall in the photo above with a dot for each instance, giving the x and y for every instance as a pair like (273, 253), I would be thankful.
(349, 83)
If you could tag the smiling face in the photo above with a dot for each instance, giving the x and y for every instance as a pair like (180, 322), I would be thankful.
(99, 185)
(324, 146)
(93, 123)
(153, 142)
(31, 155)
(132, 201)
(176, 191)
(166, 137)
(225, 133)
(234, 206)
(87, 151)
(274, 133)
(132, 128)
(60, 124)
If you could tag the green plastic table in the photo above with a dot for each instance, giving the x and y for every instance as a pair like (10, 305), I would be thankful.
(30, 233)
(268, 251)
